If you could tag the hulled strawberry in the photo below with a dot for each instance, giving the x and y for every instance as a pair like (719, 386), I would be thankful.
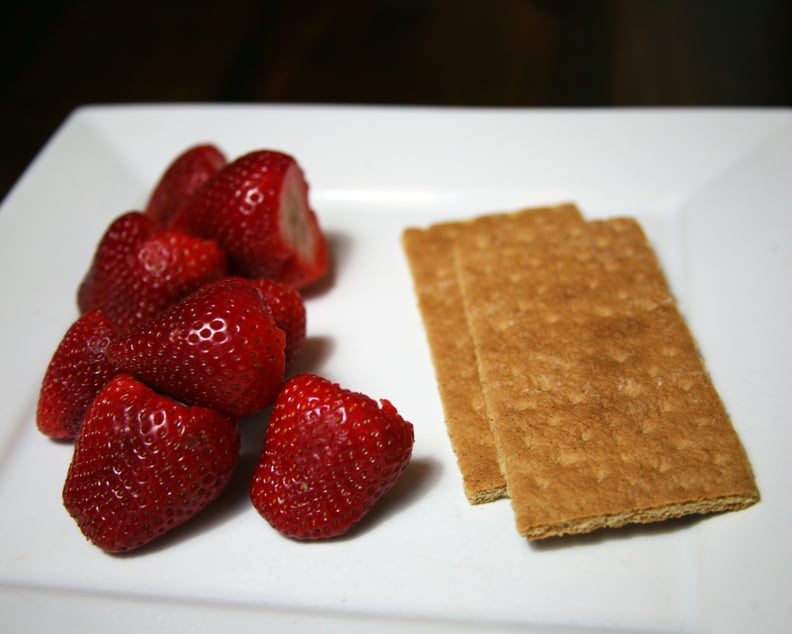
(143, 464)
(257, 208)
(287, 308)
(329, 454)
(79, 368)
(137, 271)
(218, 347)
(181, 179)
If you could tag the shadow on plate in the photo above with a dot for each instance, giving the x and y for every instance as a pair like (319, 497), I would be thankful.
(313, 355)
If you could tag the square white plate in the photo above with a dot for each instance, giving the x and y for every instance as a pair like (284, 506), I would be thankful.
(712, 190)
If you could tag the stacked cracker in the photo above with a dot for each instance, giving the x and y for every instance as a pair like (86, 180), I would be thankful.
(568, 377)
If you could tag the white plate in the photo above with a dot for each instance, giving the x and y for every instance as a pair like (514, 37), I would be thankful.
(711, 189)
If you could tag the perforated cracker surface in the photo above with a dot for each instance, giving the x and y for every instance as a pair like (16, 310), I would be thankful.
(430, 255)
(602, 410)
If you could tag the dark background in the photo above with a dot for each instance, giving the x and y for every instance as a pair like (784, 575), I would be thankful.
(59, 54)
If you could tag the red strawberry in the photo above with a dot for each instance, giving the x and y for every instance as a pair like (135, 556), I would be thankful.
(329, 454)
(181, 179)
(79, 368)
(257, 209)
(138, 271)
(144, 464)
(218, 347)
(288, 310)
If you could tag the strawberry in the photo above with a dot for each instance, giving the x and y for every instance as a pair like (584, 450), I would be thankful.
(144, 464)
(181, 179)
(257, 209)
(287, 308)
(138, 271)
(79, 368)
(218, 347)
(329, 454)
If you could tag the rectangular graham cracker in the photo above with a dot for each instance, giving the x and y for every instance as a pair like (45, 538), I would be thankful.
(602, 411)
(431, 259)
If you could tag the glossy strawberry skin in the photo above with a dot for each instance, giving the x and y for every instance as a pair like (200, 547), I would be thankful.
(143, 464)
(78, 370)
(329, 454)
(181, 179)
(257, 209)
(218, 347)
(287, 308)
(138, 271)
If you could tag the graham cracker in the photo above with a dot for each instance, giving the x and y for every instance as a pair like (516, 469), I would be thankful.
(430, 254)
(602, 410)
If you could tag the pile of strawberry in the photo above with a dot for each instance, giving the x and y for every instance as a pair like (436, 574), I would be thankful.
(190, 315)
